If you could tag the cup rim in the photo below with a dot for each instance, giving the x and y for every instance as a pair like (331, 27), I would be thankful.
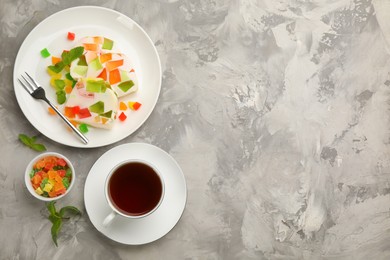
(28, 181)
(111, 205)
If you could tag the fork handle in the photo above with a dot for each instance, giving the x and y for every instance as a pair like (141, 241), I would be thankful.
(85, 139)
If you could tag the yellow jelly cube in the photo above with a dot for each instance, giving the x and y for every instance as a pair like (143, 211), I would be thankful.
(52, 182)
(48, 187)
(68, 82)
(52, 81)
(39, 191)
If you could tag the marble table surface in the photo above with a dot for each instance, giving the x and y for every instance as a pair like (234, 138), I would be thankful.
(278, 112)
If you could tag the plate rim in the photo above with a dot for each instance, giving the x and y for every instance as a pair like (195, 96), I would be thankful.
(80, 144)
(149, 146)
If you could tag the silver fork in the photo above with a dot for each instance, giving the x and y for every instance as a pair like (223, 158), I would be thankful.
(37, 92)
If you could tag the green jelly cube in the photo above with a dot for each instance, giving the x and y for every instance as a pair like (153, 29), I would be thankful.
(96, 85)
(59, 83)
(80, 70)
(124, 75)
(61, 97)
(44, 182)
(125, 86)
(45, 53)
(65, 180)
(68, 173)
(97, 108)
(107, 114)
(95, 64)
(107, 44)
(69, 77)
(32, 173)
(82, 61)
(83, 128)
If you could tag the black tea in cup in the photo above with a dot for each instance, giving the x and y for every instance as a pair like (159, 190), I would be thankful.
(135, 188)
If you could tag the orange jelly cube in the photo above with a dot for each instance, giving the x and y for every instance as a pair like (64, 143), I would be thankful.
(105, 57)
(103, 74)
(122, 106)
(58, 186)
(58, 178)
(68, 89)
(51, 111)
(55, 60)
(50, 160)
(69, 112)
(36, 180)
(40, 164)
(114, 64)
(104, 120)
(115, 76)
(52, 194)
(52, 174)
(90, 46)
(98, 39)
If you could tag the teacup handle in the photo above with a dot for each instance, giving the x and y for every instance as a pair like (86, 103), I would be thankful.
(107, 221)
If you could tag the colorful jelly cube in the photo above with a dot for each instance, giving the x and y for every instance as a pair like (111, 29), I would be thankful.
(122, 106)
(83, 128)
(45, 53)
(107, 44)
(125, 86)
(134, 105)
(122, 117)
(71, 36)
(97, 108)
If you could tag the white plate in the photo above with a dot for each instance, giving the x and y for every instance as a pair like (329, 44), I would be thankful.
(51, 33)
(143, 230)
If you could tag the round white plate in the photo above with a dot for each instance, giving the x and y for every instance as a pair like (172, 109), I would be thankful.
(143, 230)
(51, 33)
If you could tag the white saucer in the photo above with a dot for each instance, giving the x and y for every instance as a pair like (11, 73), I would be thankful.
(143, 230)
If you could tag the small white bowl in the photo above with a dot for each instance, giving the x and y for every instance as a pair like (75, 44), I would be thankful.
(28, 180)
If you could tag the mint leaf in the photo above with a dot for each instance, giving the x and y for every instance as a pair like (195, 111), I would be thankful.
(68, 57)
(57, 217)
(51, 207)
(53, 218)
(30, 142)
(25, 139)
(55, 229)
(38, 147)
(69, 209)
(58, 67)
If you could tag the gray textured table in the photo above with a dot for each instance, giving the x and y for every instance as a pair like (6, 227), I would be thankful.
(277, 112)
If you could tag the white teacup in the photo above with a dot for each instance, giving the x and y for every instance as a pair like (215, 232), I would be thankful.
(133, 189)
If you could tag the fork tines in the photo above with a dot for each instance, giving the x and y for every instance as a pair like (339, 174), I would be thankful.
(30, 85)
